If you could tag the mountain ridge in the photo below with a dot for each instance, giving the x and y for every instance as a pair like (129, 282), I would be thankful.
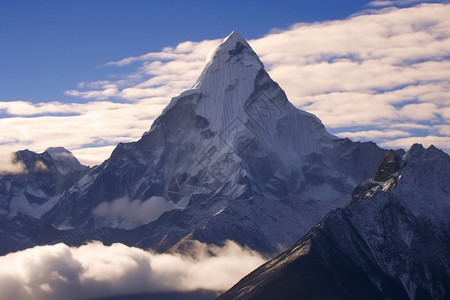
(233, 159)
(232, 150)
(43, 178)
(387, 243)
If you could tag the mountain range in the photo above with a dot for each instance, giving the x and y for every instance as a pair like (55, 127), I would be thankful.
(232, 159)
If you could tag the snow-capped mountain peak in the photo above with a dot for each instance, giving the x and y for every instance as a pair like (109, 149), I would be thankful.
(64, 160)
(57, 152)
(233, 50)
(233, 136)
(227, 81)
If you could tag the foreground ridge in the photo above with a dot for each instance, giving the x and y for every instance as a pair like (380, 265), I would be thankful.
(391, 242)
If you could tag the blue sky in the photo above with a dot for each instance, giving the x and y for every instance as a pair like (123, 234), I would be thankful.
(89, 74)
(49, 46)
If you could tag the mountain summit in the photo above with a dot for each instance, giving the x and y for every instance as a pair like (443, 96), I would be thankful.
(231, 150)
(228, 81)
(231, 67)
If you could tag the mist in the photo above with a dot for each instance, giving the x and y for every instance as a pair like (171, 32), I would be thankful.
(126, 214)
(9, 165)
(95, 270)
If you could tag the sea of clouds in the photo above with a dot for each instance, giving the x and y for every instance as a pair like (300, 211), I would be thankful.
(95, 270)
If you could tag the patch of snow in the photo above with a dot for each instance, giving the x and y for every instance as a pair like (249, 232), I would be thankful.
(219, 212)
(20, 204)
(36, 193)
(65, 161)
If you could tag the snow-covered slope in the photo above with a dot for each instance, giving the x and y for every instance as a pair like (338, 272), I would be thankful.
(44, 178)
(64, 160)
(391, 242)
(233, 143)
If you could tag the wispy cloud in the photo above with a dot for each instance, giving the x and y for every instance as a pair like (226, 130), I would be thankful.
(380, 3)
(90, 128)
(381, 71)
(374, 134)
(108, 91)
(10, 165)
(95, 271)
(426, 141)
(400, 3)
(126, 214)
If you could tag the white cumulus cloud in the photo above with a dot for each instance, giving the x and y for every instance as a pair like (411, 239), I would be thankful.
(94, 271)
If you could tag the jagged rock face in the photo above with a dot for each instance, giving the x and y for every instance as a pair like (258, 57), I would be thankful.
(232, 150)
(386, 178)
(389, 243)
(43, 179)
(22, 232)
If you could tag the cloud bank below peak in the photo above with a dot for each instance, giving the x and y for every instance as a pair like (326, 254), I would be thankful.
(95, 271)
(126, 214)
(380, 75)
